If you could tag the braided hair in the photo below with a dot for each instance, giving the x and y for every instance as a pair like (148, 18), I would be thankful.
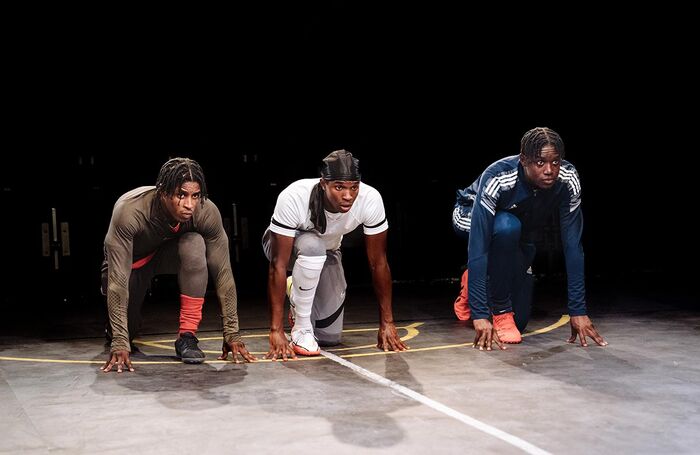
(177, 171)
(534, 140)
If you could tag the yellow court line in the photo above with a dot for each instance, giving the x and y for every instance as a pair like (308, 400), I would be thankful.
(264, 335)
(411, 332)
(411, 329)
(29, 359)
(136, 362)
(562, 321)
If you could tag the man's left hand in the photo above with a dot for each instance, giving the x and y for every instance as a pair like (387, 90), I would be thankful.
(388, 338)
(236, 348)
(582, 327)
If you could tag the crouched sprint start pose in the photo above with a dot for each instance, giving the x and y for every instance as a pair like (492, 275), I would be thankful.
(169, 228)
(499, 215)
(304, 236)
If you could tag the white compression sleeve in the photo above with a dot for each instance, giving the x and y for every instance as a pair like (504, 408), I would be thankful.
(305, 276)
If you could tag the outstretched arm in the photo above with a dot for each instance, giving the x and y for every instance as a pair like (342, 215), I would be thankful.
(387, 338)
(280, 252)
(119, 243)
(571, 227)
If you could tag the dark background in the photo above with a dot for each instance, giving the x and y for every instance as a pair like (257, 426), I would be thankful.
(426, 97)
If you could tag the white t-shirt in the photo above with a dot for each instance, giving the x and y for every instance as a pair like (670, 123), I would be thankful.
(292, 214)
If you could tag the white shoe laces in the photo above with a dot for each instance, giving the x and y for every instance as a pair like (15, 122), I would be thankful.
(305, 338)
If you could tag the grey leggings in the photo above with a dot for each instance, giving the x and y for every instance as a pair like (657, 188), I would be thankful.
(184, 256)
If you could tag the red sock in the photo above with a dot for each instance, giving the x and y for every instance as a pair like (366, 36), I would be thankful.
(190, 313)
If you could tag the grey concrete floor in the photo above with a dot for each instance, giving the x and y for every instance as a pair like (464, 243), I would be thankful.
(641, 394)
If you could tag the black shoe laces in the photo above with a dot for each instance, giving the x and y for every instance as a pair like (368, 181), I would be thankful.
(189, 342)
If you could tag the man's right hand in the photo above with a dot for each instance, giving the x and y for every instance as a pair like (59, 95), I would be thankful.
(279, 347)
(120, 359)
(485, 335)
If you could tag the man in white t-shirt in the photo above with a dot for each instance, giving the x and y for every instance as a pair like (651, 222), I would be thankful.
(307, 227)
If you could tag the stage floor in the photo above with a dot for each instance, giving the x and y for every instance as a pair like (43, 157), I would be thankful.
(640, 394)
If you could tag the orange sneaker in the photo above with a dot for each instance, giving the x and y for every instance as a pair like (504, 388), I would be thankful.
(461, 305)
(506, 329)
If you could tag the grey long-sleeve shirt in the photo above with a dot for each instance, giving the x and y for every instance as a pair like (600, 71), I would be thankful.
(139, 225)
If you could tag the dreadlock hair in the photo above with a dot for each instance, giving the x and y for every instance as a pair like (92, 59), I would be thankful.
(177, 171)
(534, 140)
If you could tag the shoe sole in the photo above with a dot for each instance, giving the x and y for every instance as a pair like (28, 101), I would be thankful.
(192, 361)
(510, 342)
(301, 351)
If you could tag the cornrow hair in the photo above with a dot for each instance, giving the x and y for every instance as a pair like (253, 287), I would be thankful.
(175, 172)
(534, 140)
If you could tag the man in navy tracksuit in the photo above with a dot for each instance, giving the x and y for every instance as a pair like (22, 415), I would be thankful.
(499, 215)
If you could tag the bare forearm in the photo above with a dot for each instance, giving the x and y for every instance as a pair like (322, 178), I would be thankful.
(381, 280)
(276, 286)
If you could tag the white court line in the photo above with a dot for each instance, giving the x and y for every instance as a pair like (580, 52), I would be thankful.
(486, 428)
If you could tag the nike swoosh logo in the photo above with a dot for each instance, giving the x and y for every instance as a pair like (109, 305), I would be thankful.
(302, 289)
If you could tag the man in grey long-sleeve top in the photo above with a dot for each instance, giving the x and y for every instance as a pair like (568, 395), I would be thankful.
(169, 228)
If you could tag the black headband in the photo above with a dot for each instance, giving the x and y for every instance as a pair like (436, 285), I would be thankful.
(340, 165)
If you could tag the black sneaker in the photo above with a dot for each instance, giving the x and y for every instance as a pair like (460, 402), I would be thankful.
(187, 350)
